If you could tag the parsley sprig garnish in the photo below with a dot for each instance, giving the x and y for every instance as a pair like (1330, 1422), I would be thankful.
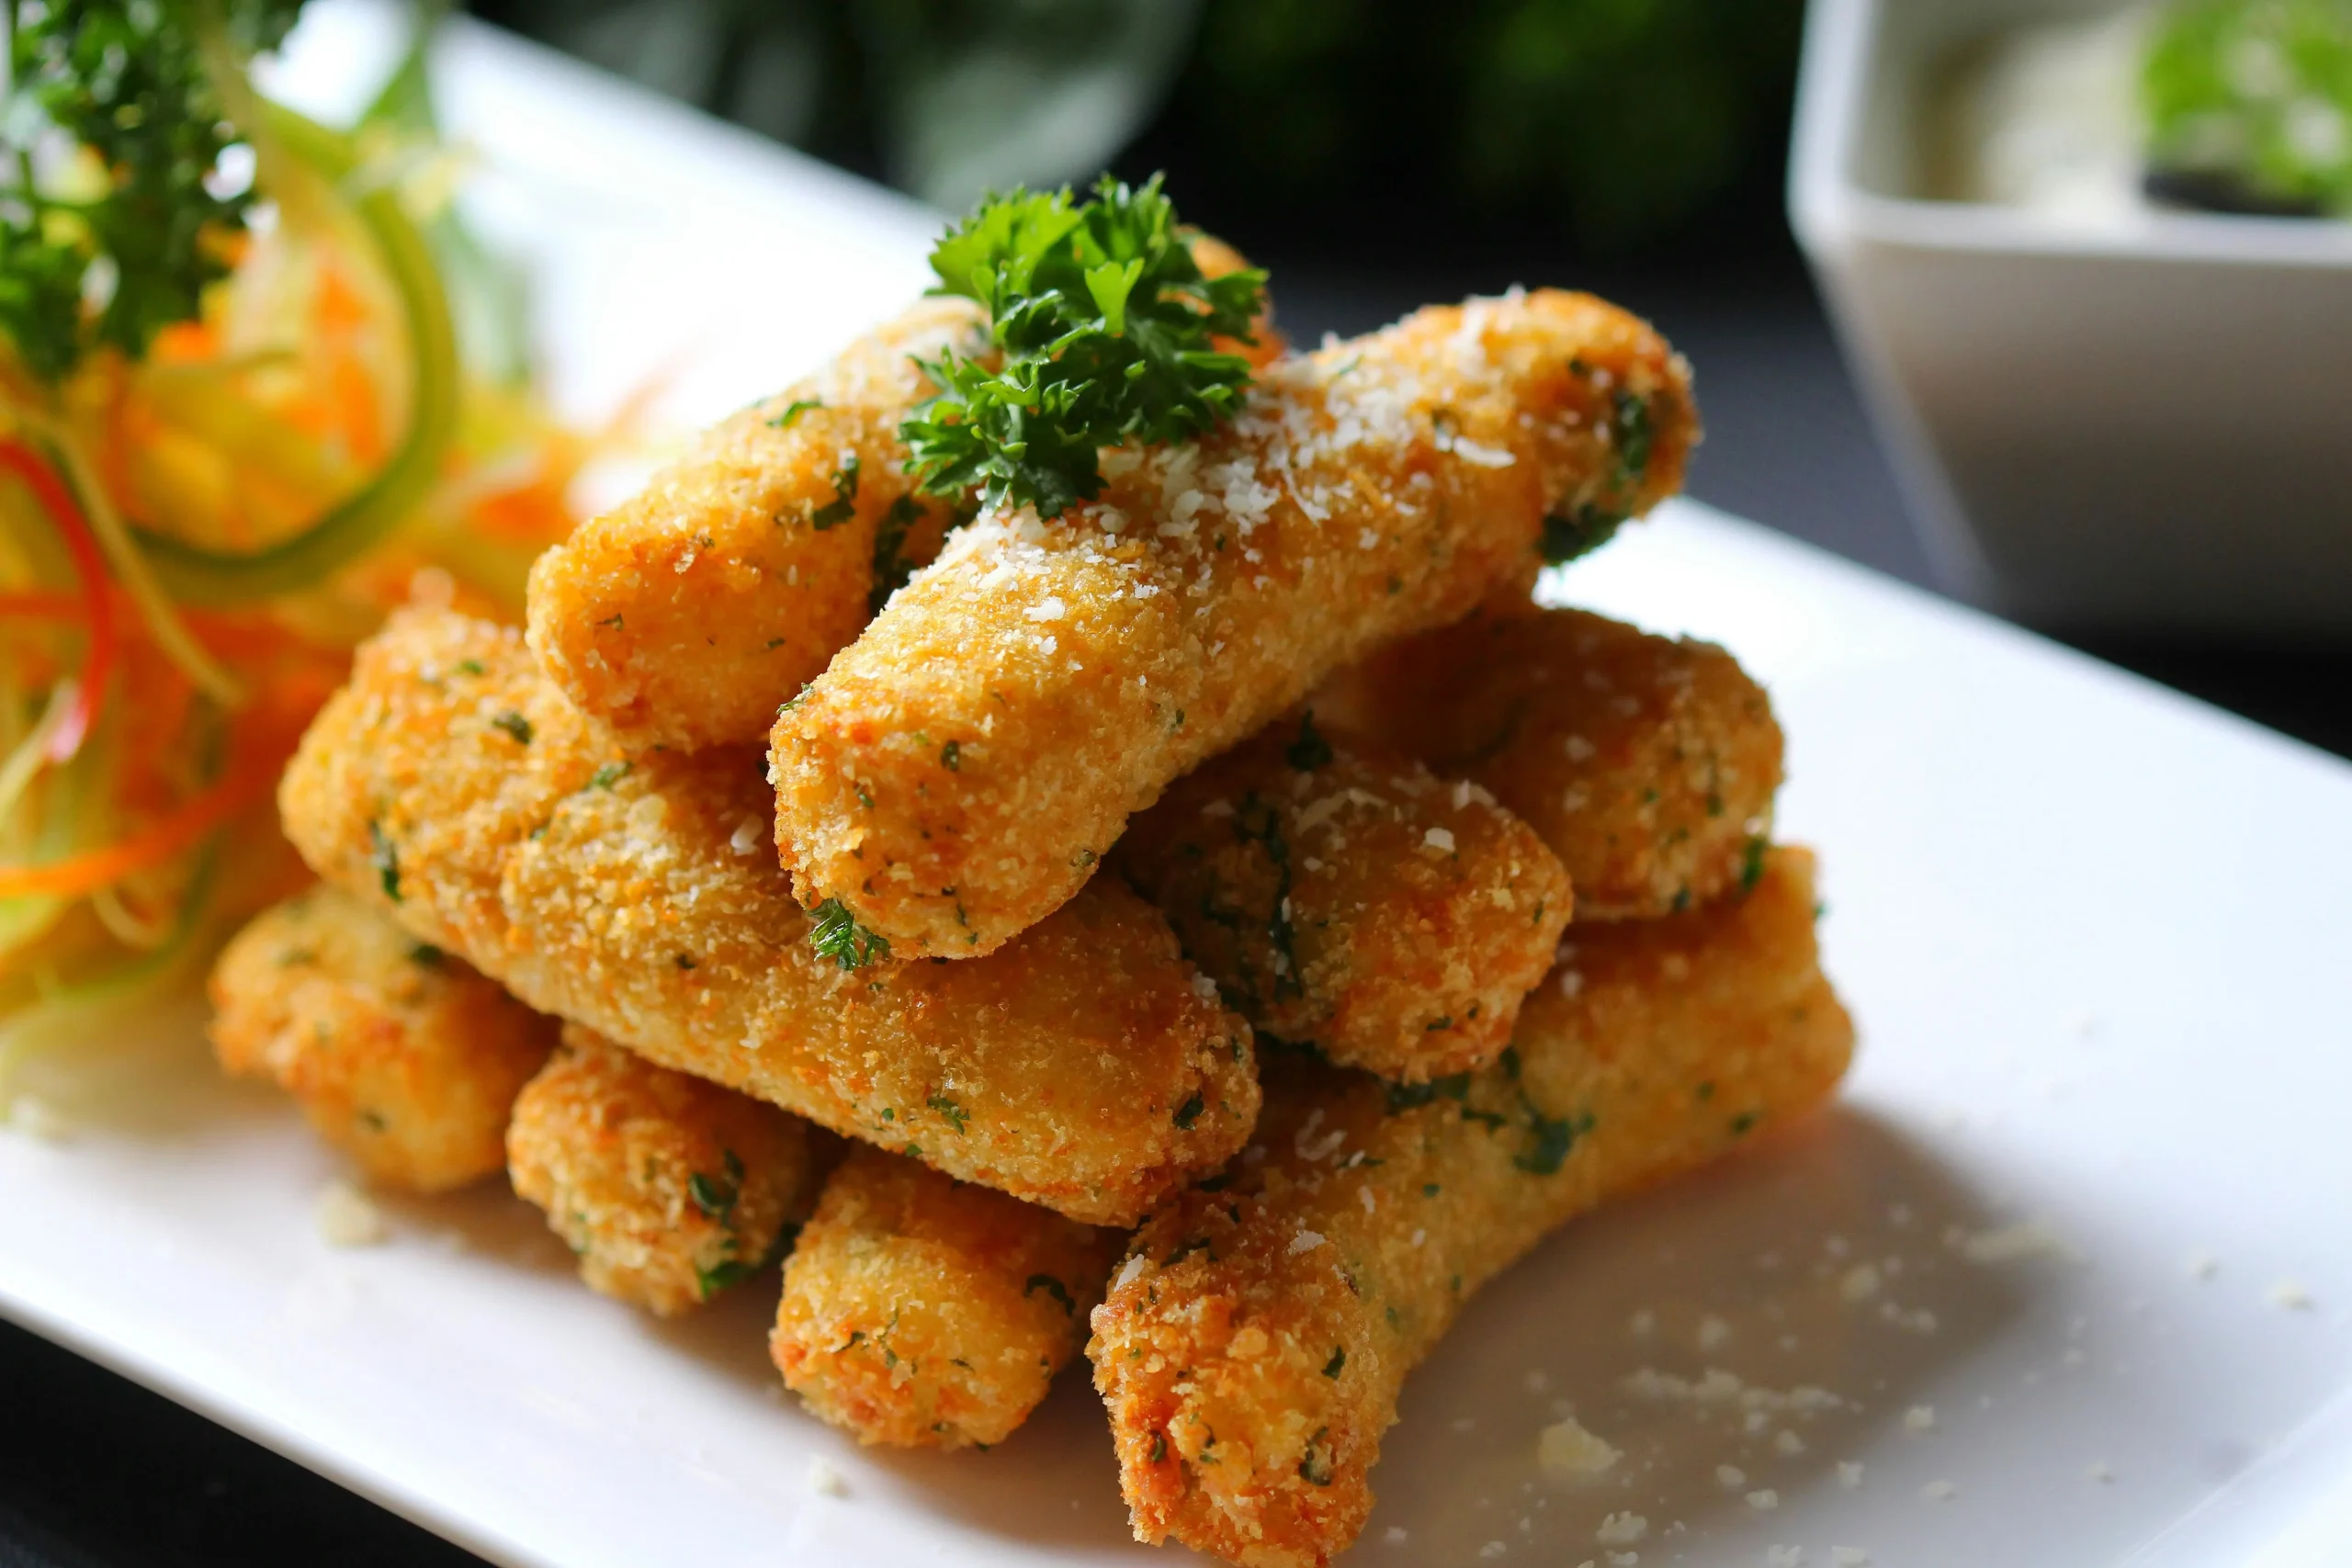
(834, 933)
(149, 228)
(1101, 323)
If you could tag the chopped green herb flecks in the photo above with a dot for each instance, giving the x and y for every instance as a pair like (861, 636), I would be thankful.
(1102, 326)
(608, 775)
(947, 1108)
(385, 857)
(1339, 1359)
(834, 933)
(793, 410)
(469, 667)
(1743, 1123)
(685, 961)
(513, 724)
(1634, 435)
(426, 956)
(1549, 1140)
(1407, 1096)
(716, 1196)
(1578, 533)
(1198, 1244)
(1751, 862)
(1053, 1288)
(843, 506)
(1310, 750)
(1316, 1467)
(892, 566)
(1158, 1447)
(1190, 1113)
(951, 756)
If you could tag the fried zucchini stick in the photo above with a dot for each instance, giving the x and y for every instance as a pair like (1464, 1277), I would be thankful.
(1253, 1343)
(955, 773)
(1649, 763)
(1089, 1068)
(399, 1055)
(683, 616)
(922, 1312)
(669, 1188)
(1343, 897)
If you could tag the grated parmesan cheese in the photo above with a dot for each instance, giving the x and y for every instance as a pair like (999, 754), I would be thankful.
(347, 1217)
(1567, 1449)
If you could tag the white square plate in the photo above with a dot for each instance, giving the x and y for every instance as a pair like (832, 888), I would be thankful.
(2095, 1154)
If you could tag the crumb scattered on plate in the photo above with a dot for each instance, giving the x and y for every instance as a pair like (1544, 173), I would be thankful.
(347, 1217)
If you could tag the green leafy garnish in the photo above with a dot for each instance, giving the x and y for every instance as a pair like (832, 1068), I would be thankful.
(130, 83)
(793, 410)
(1310, 750)
(2248, 105)
(716, 1197)
(1053, 1288)
(385, 857)
(1635, 436)
(1314, 1468)
(843, 506)
(891, 567)
(956, 1114)
(1102, 322)
(1579, 533)
(835, 934)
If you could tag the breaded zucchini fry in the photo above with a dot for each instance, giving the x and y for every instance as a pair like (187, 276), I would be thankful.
(684, 615)
(1253, 1343)
(1089, 1067)
(1343, 897)
(921, 1311)
(670, 1188)
(953, 774)
(1649, 763)
(399, 1054)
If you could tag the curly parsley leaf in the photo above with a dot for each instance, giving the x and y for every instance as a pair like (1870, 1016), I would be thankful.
(1102, 324)
(111, 258)
(835, 934)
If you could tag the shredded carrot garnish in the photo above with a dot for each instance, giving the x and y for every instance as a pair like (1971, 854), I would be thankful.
(89, 564)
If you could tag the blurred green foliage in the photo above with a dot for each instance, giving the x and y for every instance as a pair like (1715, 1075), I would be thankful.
(1615, 120)
(2254, 97)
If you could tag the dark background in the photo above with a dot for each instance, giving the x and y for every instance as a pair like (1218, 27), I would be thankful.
(1373, 157)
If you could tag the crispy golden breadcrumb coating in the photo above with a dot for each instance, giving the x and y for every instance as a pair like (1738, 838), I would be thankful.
(953, 774)
(1649, 763)
(1252, 1345)
(684, 615)
(1343, 897)
(669, 1188)
(399, 1054)
(922, 1312)
(1087, 1067)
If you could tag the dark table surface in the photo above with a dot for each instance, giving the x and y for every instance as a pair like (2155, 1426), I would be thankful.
(94, 1470)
